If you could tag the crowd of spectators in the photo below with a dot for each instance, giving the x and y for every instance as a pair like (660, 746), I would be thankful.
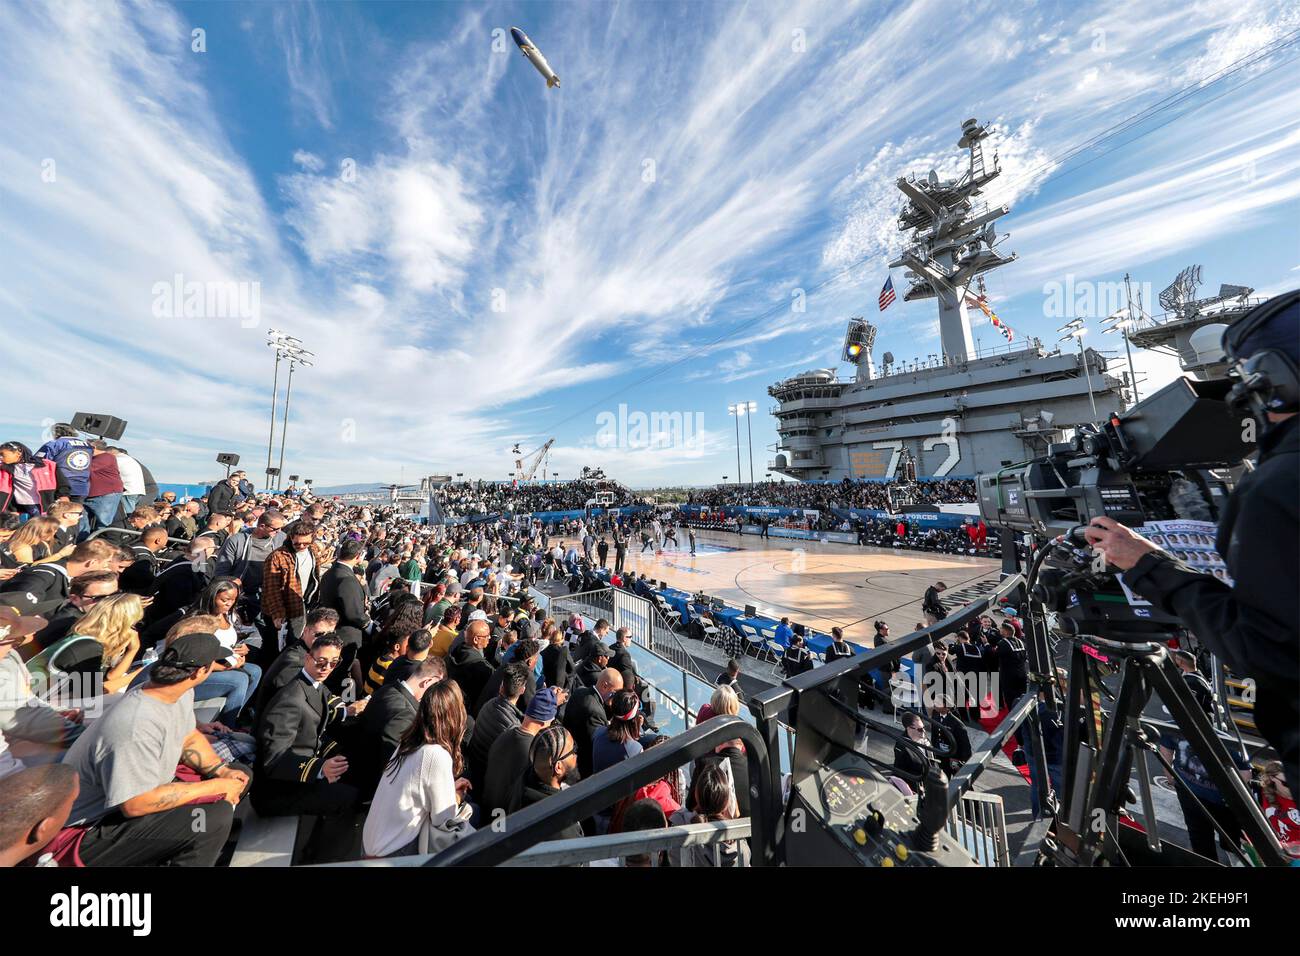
(474, 498)
(389, 678)
(878, 495)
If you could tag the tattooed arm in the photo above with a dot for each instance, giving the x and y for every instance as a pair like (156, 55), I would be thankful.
(198, 755)
(172, 795)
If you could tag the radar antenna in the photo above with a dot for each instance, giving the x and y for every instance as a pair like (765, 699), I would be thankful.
(952, 240)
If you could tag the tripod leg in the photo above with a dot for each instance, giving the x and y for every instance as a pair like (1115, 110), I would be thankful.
(1111, 776)
(1189, 717)
(1078, 691)
(1039, 775)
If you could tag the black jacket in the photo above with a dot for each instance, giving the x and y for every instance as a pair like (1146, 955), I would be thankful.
(291, 744)
(179, 584)
(837, 651)
(386, 718)
(933, 604)
(468, 668)
(508, 770)
(41, 589)
(584, 714)
(586, 644)
(221, 497)
(493, 687)
(622, 659)
(535, 792)
(1253, 626)
(960, 747)
(558, 667)
(912, 766)
(492, 721)
(796, 660)
(287, 665)
(589, 672)
(342, 592)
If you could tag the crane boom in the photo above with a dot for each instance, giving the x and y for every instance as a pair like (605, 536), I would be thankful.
(526, 466)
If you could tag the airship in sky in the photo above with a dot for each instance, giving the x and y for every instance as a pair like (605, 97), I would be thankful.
(529, 49)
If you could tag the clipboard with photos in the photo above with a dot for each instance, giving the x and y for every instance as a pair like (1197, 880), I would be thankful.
(1191, 542)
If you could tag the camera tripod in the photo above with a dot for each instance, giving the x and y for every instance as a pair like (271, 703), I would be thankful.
(1097, 770)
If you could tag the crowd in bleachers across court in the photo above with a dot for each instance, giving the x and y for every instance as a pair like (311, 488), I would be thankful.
(879, 495)
(471, 498)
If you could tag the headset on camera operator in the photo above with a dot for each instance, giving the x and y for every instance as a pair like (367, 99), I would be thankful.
(1254, 625)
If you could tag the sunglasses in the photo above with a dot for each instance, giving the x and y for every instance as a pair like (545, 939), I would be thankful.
(326, 663)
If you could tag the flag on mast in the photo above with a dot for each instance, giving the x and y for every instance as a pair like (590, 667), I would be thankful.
(887, 293)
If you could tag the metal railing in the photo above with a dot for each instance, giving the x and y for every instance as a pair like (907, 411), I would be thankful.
(978, 822)
(131, 532)
(593, 604)
(646, 622)
(768, 706)
(533, 824)
(580, 850)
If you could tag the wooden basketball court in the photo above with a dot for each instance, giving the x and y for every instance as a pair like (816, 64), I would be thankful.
(818, 585)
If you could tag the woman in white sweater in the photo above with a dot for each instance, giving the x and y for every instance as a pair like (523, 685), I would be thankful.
(416, 808)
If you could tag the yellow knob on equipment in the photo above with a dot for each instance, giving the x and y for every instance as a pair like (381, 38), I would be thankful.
(860, 836)
(900, 851)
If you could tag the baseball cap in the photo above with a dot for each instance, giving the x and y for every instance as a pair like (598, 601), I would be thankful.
(194, 650)
(601, 650)
(478, 614)
(543, 706)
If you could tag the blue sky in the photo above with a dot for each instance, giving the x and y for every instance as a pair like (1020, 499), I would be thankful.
(477, 260)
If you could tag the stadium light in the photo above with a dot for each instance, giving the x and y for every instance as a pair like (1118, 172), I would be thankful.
(736, 411)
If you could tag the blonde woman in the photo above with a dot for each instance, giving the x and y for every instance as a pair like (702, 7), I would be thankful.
(723, 703)
(33, 542)
(104, 642)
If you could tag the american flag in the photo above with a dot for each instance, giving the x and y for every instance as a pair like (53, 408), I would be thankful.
(887, 293)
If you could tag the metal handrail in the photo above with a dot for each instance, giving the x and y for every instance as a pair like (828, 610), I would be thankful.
(607, 846)
(981, 815)
(663, 640)
(532, 825)
(131, 531)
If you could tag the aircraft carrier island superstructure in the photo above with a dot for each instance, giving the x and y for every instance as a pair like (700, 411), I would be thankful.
(958, 413)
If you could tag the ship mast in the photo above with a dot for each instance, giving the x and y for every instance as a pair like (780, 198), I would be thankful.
(952, 241)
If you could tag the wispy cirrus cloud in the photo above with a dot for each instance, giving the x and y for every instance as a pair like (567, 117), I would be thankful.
(501, 256)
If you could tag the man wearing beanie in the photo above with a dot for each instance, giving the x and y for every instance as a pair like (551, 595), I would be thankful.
(508, 761)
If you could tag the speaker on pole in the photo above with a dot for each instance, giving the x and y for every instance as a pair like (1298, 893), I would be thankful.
(94, 423)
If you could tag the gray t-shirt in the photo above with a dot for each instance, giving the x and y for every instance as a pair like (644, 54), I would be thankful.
(133, 748)
(259, 549)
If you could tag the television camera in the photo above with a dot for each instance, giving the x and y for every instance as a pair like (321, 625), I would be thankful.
(1166, 458)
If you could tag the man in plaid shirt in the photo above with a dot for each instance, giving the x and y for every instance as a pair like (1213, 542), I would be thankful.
(289, 582)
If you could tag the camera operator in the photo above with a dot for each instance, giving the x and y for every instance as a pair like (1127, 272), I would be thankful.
(1253, 625)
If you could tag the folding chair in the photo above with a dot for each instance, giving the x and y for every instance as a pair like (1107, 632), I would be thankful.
(674, 617)
(753, 642)
(778, 655)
